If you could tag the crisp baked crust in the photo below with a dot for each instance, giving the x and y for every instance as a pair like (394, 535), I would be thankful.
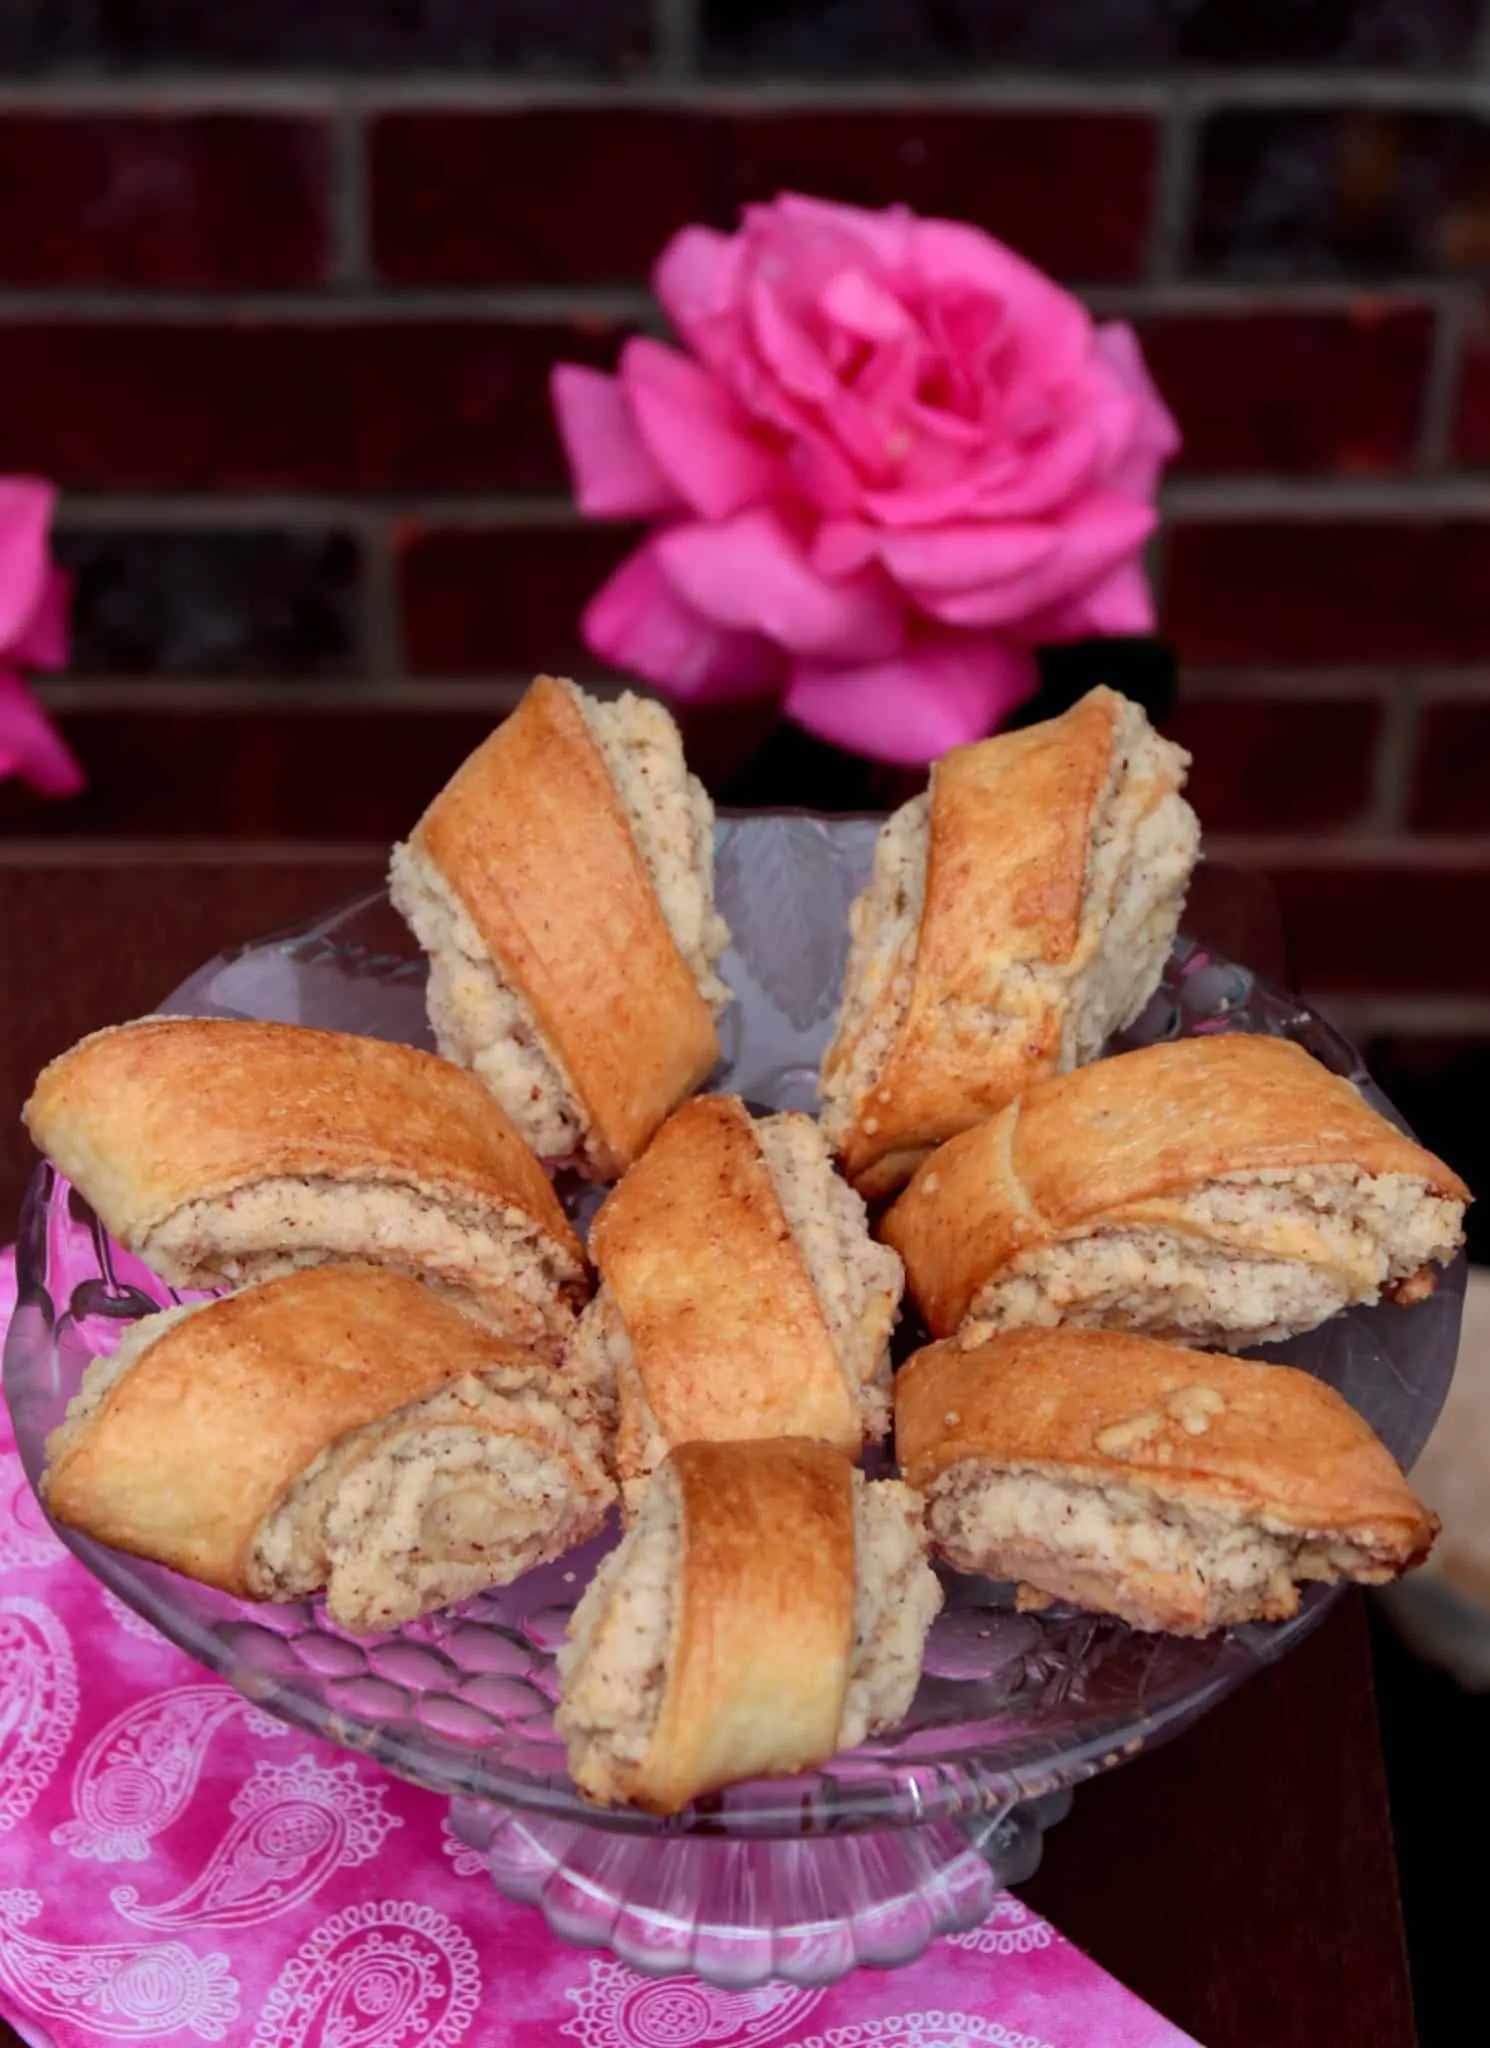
(531, 837)
(188, 1452)
(147, 1116)
(728, 1338)
(758, 1664)
(1002, 936)
(1249, 1453)
(1121, 1143)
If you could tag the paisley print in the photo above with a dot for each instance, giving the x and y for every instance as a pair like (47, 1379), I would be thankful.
(38, 1703)
(293, 1825)
(388, 1974)
(138, 1773)
(133, 1991)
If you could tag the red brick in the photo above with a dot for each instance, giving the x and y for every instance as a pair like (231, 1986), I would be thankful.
(487, 600)
(522, 197)
(328, 405)
(1451, 779)
(516, 198)
(1328, 590)
(1289, 393)
(1278, 764)
(251, 774)
(1387, 929)
(200, 202)
(1471, 430)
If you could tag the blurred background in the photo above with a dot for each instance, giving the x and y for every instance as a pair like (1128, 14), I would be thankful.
(281, 283)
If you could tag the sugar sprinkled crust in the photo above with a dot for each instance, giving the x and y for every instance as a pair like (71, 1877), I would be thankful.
(337, 1428)
(485, 1480)
(484, 1014)
(223, 1150)
(499, 1267)
(479, 1019)
(627, 1665)
(884, 925)
(857, 1281)
(1228, 1189)
(672, 822)
(1226, 1270)
(897, 1598)
(613, 1668)
(1179, 1490)
(1065, 854)
(742, 1295)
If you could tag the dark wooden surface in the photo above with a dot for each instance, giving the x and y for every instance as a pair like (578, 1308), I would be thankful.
(1241, 1880)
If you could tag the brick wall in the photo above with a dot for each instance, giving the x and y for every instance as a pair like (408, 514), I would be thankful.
(280, 284)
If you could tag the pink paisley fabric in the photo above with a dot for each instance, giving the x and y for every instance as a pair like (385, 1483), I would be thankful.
(177, 1867)
(894, 459)
(33, 634)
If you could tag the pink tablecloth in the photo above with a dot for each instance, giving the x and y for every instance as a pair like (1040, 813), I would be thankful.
(176, 1866)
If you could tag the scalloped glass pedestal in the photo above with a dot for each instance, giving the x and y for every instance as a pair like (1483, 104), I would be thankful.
(802, 1878)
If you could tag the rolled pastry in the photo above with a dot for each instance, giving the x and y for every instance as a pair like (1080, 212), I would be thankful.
(224, 1151)
(562, 885)
(1229, 1190)
(338, 1428)
(1020, 913)
(1179, 1490)
(768, 1608)
(742, 1295)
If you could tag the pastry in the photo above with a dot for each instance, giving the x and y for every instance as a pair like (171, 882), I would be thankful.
(742, 1295)
(223, 1151)
(1227, 1190)
(339, 1428)
(1020, 913)
(1177, 1489)
(768, 1607)
(562, 884)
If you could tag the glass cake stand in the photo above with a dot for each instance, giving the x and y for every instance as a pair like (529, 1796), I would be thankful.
(865, 1860)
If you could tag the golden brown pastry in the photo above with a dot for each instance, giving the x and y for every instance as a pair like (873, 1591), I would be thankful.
(224, 1151)
(768, 1608)
(563, 886)
(742, 1294)
(1019, 914)
(1177, 1489)
(339, 1428)
(1229, 1190)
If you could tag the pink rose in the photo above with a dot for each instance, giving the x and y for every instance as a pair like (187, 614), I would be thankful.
(33, 634)
(895, 460)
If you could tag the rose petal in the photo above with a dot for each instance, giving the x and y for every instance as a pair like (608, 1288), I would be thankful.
(693, 431)
(786, 349)
(698, 280)
(43, 640)
(1029, 482)
(614, 476)
(935, 694)
(637, 621)
(949, 254)
(1121, 603)
(821, 474)
(30, 747)
(748, 574)
(1103, 533)
(883, 234)
(857, 302)
(1154, 436)
(26, 505)
(1006, 482)
(966, 557)
(842, 547)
